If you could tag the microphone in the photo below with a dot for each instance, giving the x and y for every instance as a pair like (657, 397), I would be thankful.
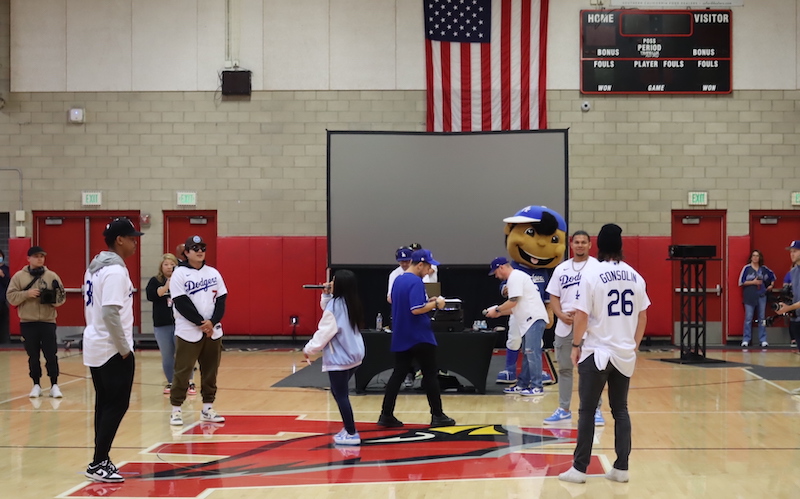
(313, 286)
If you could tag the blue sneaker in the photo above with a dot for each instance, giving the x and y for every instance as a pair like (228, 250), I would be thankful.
(546, 378)
(344, 438)
(512, 390)
(506, 378)
(532, 392)
(559, 417)
(598, 418)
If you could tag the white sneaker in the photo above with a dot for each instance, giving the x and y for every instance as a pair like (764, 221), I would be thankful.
(764, 344)
(211, 416)
(616, 475)
(55, 392)
(572, 475)
(176, 418)
(745, 344)
(35, 392)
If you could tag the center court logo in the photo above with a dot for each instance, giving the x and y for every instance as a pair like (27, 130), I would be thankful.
(411, 453)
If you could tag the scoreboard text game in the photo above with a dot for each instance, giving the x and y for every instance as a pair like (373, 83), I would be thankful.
(650, 51)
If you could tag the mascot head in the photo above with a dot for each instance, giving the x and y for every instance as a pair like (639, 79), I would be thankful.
(536, 237)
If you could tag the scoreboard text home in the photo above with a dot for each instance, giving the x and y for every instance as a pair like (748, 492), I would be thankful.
(651, 51)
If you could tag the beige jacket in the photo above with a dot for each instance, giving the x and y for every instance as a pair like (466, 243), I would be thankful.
(31, 309)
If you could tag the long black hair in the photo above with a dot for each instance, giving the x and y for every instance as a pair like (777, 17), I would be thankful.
(345, 286)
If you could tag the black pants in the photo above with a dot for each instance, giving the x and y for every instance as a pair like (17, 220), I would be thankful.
(5, 330)
(40, 337)
(590, 388)
(112, 383)
(794, 332)
(425, 355)
(341, 394)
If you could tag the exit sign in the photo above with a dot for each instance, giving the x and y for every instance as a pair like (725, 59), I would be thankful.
(796, 199)
(91, 198)
(187, 199)
(698, 198)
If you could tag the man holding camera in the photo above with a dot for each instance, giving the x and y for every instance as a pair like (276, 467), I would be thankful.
(36, 291)
(794, 277)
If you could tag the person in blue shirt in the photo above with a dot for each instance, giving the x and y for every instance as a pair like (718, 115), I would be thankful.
(339, 339)
(756, 281)
(794, 281)
(413, 339)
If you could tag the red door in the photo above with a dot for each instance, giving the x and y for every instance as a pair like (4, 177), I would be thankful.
(72, 239)
(771, 232)
(180, 224)
(703, 228)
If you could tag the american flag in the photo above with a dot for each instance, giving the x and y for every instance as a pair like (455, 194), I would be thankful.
(485, 64)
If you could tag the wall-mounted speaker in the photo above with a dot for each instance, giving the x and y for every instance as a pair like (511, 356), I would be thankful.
(236, 82)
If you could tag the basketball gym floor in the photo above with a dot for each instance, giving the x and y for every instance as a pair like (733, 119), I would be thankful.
(721, 431)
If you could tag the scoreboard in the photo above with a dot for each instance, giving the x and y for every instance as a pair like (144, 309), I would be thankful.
(656, 52)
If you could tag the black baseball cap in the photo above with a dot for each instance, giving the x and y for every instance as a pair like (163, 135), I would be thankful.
(121, 227)
(192, 240)
(36, 249)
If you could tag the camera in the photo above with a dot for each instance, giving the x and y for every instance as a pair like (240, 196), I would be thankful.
(48, 297)
(783, 296)
(586, 106)
(51, 296)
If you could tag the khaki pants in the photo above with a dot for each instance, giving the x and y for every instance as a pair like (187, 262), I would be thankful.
(207, 353)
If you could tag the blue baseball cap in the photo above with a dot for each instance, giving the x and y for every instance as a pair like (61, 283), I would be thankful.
(403, 254)
(423, 255)
(497, 263)
(532, 214)
(795, 244)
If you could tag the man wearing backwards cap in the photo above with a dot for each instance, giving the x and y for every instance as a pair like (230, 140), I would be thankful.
(198, 295)
(37, 316)
(525, 327)
(794, 279)
(413, 339)
(610, 317)
(108, 341)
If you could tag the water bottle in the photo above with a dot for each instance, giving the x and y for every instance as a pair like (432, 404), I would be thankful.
(379, 322)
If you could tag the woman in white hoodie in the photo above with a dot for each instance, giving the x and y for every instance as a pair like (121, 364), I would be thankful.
(339, 339)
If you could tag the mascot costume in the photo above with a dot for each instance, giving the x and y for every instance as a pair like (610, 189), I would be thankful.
(536, 241)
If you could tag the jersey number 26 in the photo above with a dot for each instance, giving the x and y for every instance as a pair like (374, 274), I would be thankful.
(620, 302)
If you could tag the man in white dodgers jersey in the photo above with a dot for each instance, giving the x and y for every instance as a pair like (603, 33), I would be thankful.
(108, 341)
(563, 291)
(610, 316)
(198, 296)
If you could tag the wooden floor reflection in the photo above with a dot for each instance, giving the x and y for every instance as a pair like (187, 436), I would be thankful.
(697, 432)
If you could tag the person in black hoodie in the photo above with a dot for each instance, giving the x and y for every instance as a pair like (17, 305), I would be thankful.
(163, 320)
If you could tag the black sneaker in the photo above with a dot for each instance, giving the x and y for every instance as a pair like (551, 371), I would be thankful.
(103, 471)
(389, 421)
(442, 420)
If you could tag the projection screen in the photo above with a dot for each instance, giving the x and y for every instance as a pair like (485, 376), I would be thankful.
(448, 192)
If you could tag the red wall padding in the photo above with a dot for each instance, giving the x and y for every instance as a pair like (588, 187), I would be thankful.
(264, 276)
(738, 252)
(652, 263)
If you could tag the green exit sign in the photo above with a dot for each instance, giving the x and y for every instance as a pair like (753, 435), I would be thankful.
(91, 198)
(698, 198)
(187, 199)
(796, 199)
